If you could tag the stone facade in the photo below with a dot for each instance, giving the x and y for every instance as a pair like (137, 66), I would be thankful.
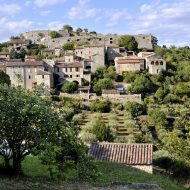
(72, 72)
(146, 168)
(42, 37)
(128, 64)
(155, 64)
(5, 55)
(25, 74)
(112, 51)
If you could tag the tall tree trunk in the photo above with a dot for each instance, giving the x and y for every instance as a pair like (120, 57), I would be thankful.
(16, 164)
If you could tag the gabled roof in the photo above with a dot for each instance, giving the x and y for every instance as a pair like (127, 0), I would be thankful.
(41, 72)
(128, 60)
(23, 64)
(69, 65)
(131, 154)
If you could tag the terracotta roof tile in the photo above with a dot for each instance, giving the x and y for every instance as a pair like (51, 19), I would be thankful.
(27, 63)
(69, 65)
(131, 154)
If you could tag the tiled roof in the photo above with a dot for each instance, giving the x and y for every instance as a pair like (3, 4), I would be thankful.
(69, 65)
(110, 92)
(128, 60)
(41, 72)
(26, 63)
(18, 41)
(112, 46)
(4, 53)
(131, 154)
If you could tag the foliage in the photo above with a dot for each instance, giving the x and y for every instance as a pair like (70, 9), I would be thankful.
(14, 54)
(69, 87)
(103, 84)
(26, 120)
(79, 30)
(68, 46)
(68, 27)
(134, 108)
(129, 76)
(110, 73)
(128, 42)
(54, 34)
(4, 78)
(142, 84)
(103, 106)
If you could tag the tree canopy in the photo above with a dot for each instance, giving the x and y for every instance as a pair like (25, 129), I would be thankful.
(128, 42)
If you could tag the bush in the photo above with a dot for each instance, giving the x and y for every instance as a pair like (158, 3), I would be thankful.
(69, 87)
(54, 34)
(103, 106)
(68, 46)
(135, 108)
(163, 162)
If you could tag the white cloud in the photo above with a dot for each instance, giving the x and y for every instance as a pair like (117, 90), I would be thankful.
(45, 13)
(82, 10)
(9, 9)
(166, 20)
(27, 3)
(115, 16)
(9, 28)
(42, 3)
(56, 25)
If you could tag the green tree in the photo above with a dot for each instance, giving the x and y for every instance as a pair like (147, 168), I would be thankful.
(160, 94)
(134, 108)
(4, 78)
(86, 30)
(22, 53)
(68, 27)
(69, 87)
(79, 30)
(110, 73)
(142, 84)
(103, 106)
(128, 42)
(54, 34)
(103, 84)
(68, 46)
(26, 122)
(14, 54)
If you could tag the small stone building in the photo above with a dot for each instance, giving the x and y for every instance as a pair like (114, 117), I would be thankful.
(129, 64)
(72, 72)
(25, 74)
(18, 43)
(5, 55)
(135, 155)
(155, 64)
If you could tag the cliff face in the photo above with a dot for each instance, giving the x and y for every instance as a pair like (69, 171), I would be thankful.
(42, 37)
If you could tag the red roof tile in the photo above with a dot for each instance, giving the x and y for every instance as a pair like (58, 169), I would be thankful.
(69, 65)
(131, 154)
(27, 63)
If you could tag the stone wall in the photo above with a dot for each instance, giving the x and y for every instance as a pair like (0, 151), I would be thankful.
(148, 168)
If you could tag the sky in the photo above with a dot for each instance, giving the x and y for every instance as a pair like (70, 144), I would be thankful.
(168, 20)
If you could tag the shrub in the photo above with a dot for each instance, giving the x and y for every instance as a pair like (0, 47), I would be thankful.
(135, 108)
(69, 87)
(54, 34)
(103, 106)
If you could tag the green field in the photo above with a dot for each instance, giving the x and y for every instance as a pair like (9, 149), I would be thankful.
(36, 178)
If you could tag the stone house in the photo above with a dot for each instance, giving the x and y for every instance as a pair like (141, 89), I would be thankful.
(144, 54)
(18, 44)
(135, 155)
(24, 74)
(69, 56)
(95, 53)
(129, 64)
(5, 55)
(72, 72)
(155, 64)
(112, 51)
(48, 52)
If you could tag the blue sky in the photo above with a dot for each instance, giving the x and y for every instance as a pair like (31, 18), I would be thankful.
(168, 20)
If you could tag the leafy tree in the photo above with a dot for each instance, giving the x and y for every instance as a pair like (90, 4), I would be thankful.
(86, 30)
(93, 32)
(69, 87)
(68, 46)
(26, 122)
(4, 78)
(79, 30)
(128, 42)
(142, 84)
(129, 76)
(103, 84)
(134, 108)
(103, 106)
(22, 53)
(160, 94)
(181, 89)
(110, 73)
(54, 34)
(14, 54)
(68, 27)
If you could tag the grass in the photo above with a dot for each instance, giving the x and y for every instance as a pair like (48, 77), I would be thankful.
(37, 178)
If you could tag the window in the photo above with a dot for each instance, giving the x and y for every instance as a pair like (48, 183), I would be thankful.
(157, 63)
(43, 76)
(152, 62)
(57, 69)
(71, 76)
(68, 40)
(111, 42)
(65, 69)
(77, 75)
(77, 69)
(157, 71)
(29, 77)
(81, 52)
(100, 39)
(161, 63)
(78, 40)
(70, 69)
(111, 38)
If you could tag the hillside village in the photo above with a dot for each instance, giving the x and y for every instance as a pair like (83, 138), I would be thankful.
(77, 65)
(122, 99)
